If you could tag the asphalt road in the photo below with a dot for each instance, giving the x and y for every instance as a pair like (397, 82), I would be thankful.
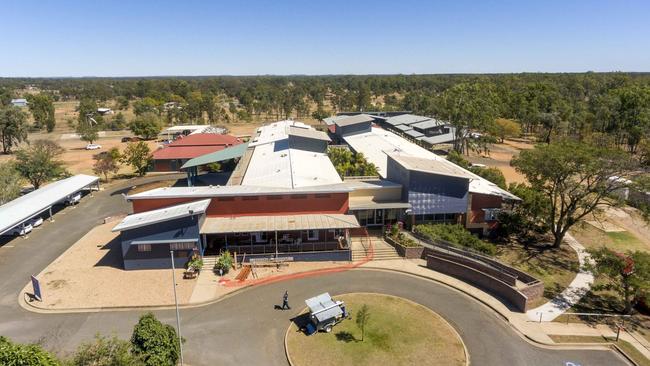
(245, 329)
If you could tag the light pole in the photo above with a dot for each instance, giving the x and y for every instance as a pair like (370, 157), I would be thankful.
(178, 317)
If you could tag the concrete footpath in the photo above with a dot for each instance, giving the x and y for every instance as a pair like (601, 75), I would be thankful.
(572, 294)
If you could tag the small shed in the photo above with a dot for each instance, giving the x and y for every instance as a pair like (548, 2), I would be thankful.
(20, 102)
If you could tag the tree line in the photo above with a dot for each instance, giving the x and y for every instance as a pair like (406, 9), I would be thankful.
(605, 108)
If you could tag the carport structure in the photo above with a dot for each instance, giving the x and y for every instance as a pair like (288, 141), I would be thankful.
(23, 208)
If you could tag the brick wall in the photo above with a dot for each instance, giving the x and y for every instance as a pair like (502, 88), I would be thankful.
(480, 279)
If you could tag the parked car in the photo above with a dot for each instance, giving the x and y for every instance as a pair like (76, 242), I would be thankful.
(93, 147)
(21, 230)
(35, 221)
(73, 199)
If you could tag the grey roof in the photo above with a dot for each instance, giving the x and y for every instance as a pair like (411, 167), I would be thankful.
(434, 166)
(427, 124)
(309, 133)
(439, 139)
(331, 120)
(361, 203)
(162, 215)
(353, 120)
(405, 119)
(403, 127)
(246, 224)
(25, 207)
(413, 133)
(323, 307)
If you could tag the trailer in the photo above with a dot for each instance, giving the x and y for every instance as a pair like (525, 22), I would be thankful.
(324, 313)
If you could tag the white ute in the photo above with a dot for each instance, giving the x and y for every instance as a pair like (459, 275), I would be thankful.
(21, 230)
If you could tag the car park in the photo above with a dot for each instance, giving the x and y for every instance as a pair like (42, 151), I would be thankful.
(93, 147)
(21, 230)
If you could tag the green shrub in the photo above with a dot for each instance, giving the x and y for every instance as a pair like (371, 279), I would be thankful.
(156, 343)
(105, 351)
(195, 263)
(24, 354)
(224, 262)
(457, 236)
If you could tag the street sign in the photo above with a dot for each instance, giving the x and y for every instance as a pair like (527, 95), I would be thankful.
(37, 289)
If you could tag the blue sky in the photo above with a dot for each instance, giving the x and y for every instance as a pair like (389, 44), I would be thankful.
(142, 38)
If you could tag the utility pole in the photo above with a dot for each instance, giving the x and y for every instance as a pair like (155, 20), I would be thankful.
(178, 317)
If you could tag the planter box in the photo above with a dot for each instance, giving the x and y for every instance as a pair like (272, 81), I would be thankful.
(406, 252)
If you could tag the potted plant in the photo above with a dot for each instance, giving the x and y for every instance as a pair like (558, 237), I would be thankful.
(224, 263)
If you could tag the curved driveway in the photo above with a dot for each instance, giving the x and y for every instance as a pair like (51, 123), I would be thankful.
(245, 329)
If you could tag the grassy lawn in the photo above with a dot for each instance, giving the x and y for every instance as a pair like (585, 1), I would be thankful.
(629, 349)
(593, 238)
(555, 267)
(399, 332)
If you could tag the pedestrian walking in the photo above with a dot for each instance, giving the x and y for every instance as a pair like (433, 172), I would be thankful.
(285, 301)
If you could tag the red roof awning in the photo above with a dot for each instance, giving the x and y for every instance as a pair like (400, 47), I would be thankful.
(184, 152)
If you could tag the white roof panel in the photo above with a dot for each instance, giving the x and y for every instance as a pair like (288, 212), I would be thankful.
(162, 215)
(274, 164)
(33, 203)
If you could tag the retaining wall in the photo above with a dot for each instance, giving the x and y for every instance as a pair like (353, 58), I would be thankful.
(453, 267)
(406, 252)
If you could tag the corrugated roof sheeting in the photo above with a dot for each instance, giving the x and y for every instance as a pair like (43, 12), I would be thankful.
(378, 143)
(405, 119)
(217, 156)
(413, 133)
(244, 224)
(162, 215)
(234, 190)
(33, 203)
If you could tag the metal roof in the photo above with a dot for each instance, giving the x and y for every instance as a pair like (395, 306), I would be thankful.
(181, 128)
(377, 144)
(434, 166)
(323, 307)
(403, 127)
(309, 133)
(236, 190)
(365, 203)
(427, 124)
(33, 203)
(225, 154)
(440, 139)
(245, 224)
(405, 119)
(331, 120)
(413, 133)
(353, 120)
(274, 164)
(162, 215)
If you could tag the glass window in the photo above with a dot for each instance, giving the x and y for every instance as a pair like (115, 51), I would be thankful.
(312, 234)
(439, 217)
(144, 247)
(181, 246)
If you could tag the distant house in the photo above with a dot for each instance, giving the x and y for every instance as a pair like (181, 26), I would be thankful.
(174, 155)
(21, 102)
(104, 111)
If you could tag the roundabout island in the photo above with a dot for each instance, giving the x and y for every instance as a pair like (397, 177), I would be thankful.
(397, 331)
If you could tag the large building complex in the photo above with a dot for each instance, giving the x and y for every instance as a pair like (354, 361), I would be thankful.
(286, 198)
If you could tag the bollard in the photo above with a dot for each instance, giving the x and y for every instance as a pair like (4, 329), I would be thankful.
(540, 316)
